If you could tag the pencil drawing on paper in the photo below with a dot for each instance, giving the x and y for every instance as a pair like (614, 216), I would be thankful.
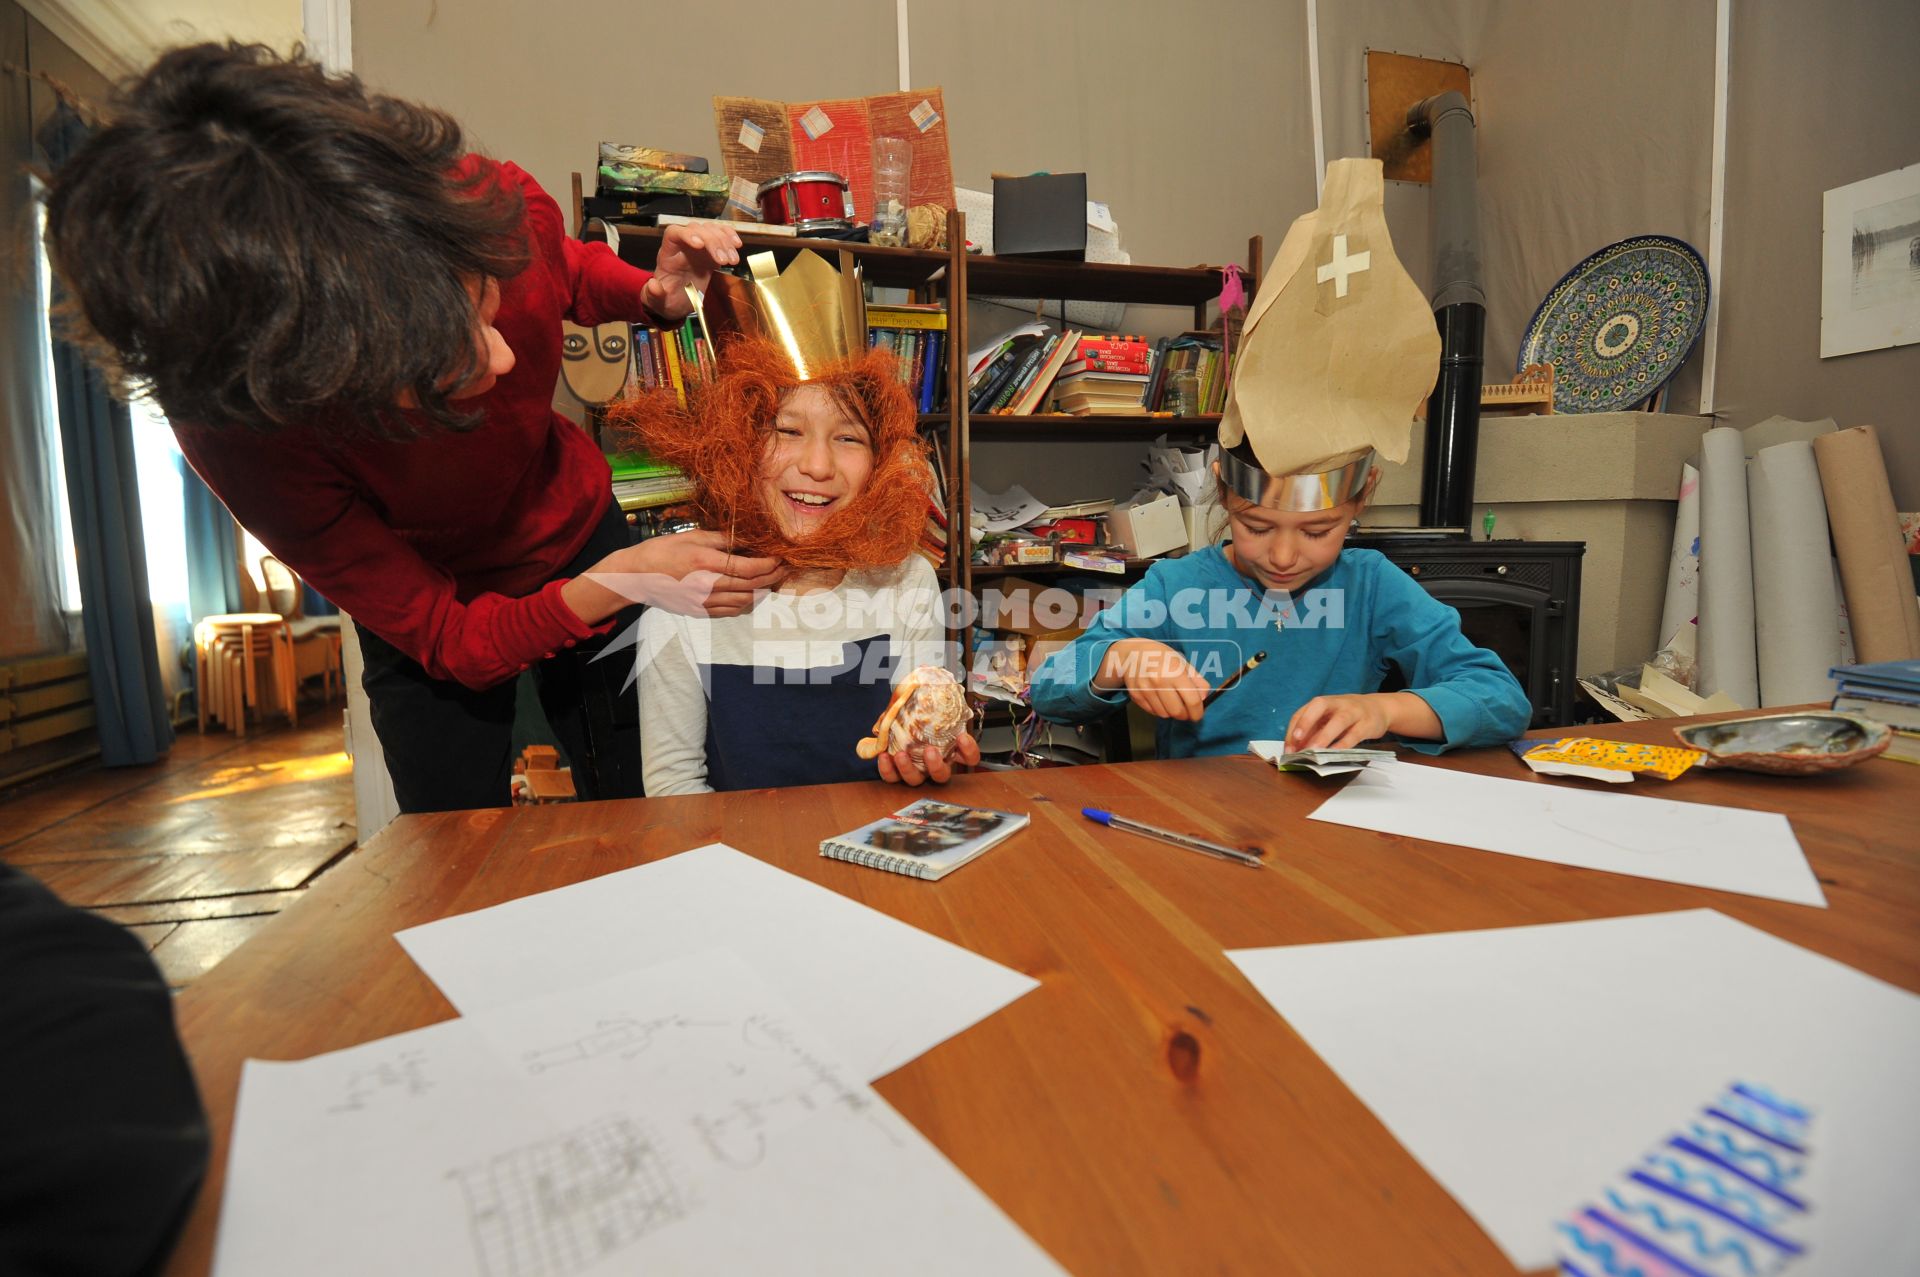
(625, 1038)
(404, 1076)
(563, 1204)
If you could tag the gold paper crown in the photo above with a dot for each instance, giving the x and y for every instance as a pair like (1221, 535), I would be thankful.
(1339, 348)
(817, 314)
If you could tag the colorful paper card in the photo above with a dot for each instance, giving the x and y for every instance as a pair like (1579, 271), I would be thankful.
(1722, 1196)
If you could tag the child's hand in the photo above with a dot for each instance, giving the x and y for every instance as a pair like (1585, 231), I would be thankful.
(916, 766)
(1157, 678)
(1340, 722)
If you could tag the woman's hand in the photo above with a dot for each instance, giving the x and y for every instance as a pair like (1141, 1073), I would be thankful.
(1340, 722)
(902, 767)
(1158, 678)
(688, 255)
(692, 573)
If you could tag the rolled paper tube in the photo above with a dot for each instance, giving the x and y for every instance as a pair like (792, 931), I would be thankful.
(1794, 606)
(1729, 661)
(1881, 610)
(1683, 565)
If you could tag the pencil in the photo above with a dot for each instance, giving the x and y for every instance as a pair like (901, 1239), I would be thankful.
(1233, 678)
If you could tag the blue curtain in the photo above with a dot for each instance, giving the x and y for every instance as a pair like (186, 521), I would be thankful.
(213, 549)
(314, 603)
(96, 436)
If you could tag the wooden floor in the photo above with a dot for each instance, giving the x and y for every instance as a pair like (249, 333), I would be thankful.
(194, 853)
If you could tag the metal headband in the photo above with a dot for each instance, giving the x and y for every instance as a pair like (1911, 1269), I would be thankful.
(1295, 493)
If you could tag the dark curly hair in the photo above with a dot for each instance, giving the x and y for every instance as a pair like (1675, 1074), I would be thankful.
(258, 243)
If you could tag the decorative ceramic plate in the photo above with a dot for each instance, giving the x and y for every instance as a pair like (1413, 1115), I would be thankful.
(1619, 324)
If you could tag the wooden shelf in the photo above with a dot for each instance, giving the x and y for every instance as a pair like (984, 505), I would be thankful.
(1092, 281)
(1135, 568)
(1062, 426)
(887, 267)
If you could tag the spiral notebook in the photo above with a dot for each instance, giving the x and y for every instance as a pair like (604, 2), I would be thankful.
(930, 839)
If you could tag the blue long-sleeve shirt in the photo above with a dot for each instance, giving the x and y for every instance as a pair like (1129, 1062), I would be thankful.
(1338, 635)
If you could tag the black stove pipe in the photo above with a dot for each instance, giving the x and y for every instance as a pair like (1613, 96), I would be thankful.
(1460, 310)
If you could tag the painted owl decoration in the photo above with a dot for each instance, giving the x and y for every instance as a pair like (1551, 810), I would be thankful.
(929, 707)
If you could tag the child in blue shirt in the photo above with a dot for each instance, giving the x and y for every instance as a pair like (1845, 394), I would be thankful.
(1337, 351)
(1331, 622)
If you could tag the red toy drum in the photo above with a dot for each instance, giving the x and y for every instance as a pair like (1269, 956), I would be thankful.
(811, 201)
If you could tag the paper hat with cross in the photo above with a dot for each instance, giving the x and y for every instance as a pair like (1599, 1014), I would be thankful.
(1338, 350)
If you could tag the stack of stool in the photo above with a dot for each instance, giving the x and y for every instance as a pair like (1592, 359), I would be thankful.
(241, 658)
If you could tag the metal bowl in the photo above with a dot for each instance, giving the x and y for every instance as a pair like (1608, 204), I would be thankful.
(1787, 744)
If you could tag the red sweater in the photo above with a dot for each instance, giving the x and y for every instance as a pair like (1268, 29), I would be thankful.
(443, 545)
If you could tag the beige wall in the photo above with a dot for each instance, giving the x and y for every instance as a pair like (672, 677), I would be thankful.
(1822, 95)
(544, 85)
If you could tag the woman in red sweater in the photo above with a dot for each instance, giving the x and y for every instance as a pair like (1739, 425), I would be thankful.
(354, 326)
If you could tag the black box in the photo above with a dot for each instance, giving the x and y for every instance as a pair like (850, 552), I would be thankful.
(1042, 216)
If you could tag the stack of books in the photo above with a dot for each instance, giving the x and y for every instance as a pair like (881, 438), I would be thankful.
(642, 483)
(1107, 378)
(917, 335)
(933, 532)
(1887, 692)
(1199, 351)
(1015, 380)
(670, 357)
(639, 183)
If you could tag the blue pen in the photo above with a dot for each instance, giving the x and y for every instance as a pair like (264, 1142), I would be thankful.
(1201, 845)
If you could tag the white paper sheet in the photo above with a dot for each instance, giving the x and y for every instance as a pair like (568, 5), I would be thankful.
(1725, 848)
(881, 991)
(1523, 1066)
(675, 1120)
(1004, 511)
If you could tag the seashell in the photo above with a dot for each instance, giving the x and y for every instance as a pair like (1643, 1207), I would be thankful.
(1787, 744)
(929, 707)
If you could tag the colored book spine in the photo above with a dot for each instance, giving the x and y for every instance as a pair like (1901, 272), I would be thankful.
(930, 373)
(1029, 364)
(891, 318)
(673, 369)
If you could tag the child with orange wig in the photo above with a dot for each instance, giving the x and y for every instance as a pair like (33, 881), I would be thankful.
(828, 475)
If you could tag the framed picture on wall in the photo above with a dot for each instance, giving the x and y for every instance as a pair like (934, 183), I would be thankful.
(1870, 264)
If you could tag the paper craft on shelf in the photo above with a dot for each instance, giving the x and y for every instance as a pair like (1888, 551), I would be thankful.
(1004, 511)
(1701, 845)
(676, 1119)
(1524, 1066)
(881, 991)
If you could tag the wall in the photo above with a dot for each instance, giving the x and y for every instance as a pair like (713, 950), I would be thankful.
(543, 86)
(1821, 96)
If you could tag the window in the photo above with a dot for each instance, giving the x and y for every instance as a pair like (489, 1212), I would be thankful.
(69, 574)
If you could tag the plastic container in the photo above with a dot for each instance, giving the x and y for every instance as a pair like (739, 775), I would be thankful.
(1183, 393)
(892, 180)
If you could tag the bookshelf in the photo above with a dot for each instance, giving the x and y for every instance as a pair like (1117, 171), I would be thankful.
(953, 276)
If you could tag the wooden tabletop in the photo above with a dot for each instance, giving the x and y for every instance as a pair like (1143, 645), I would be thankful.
(1143, 1110)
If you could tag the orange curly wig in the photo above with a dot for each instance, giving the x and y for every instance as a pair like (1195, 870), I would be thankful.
(720, 439)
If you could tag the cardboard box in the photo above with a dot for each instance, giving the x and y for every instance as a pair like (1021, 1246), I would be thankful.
(1150, 528)
(1206, 525)
(1041, 216)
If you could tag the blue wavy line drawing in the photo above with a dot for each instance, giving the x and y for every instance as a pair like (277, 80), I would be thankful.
(1776, 1175)
(1689, 1228)
(1761, 1095)
(1764, 1119)
(1755, 1210)
(1602, 1250)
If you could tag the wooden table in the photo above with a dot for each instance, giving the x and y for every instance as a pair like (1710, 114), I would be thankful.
(1144, 1110)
